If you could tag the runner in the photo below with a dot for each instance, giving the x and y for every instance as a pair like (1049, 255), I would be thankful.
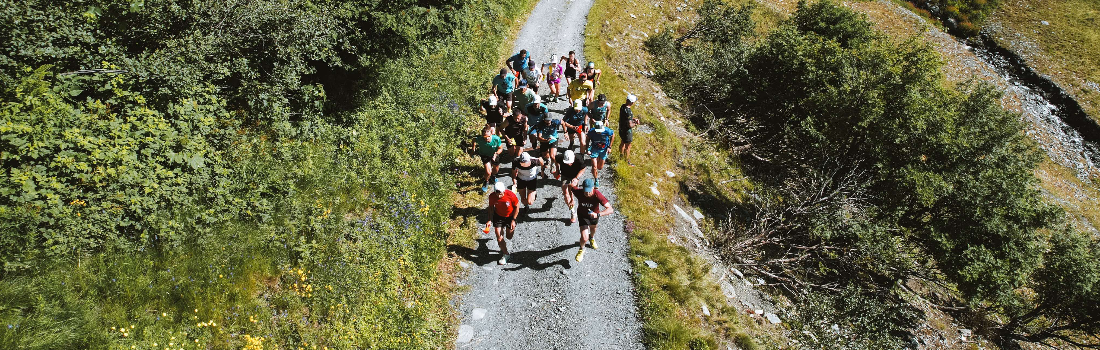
(532, 75)
(503, 85)
(593, 73)
(570, 167)
(502, 217)
(538, 112)
(525, 178)
(514, 130)
(627, 122)
(599, 145)
(489, 148)
(580, 88)
(553, 78)
(572, 67)
(589, 200)
(546, 133)
(518, 62)
(599, 109)
(493, 111)
(524, 97)
(575, 121)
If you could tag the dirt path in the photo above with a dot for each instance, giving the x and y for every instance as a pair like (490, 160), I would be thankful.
(543, 299)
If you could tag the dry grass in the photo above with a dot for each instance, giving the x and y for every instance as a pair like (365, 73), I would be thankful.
(1067, 48)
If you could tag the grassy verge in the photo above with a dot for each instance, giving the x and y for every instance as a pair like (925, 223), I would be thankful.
(671, 296)
(1067, 47)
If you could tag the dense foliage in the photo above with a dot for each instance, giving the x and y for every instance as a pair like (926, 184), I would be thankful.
(877, 174)
(232, 174)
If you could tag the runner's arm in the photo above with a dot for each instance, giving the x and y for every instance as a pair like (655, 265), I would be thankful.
(607, 210)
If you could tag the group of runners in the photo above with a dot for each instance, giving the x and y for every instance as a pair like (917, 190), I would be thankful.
(562, 147)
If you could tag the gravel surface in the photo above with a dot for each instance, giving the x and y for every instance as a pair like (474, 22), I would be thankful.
(543, 299)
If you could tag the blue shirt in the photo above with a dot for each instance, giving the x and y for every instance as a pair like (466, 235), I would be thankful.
(519, 63)
(549, 132)
(600, 140)
(575, 118)
(505, 84)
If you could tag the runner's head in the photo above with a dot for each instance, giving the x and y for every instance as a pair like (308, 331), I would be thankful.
(531, 64)
(487, 133)
(492, 99)
(523, 52)
(589, 187)
(591, 64)
(525, 158)
(601, 98)
(569, 157)
(630, 99)
(597, 126)
(582, 77)
(500, 187)
(503, 71)
(572, 54)
(578, 104)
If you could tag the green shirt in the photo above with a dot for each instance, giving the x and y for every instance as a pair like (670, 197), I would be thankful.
(487, 148)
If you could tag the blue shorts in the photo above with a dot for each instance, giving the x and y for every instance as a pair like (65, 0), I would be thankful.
(598, 153)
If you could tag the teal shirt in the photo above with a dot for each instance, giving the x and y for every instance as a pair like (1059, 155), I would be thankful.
(505, 84)
(487, 148)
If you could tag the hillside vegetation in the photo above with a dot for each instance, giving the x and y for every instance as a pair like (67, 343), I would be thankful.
(233, 174)
(878, 183)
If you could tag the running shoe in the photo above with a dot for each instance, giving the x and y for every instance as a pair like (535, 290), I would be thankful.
(592, 243)
(503, 259)
(485, 187)
(557, 175)
(597, 183)
(580, 255)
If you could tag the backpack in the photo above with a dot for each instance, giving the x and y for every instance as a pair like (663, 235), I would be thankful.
(600, 140)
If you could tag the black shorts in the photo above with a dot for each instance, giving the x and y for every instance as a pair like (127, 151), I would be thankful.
(545, 147)
(504, 97)
(627, 136)
(527, 185)
(585, 220)
(502, 221)
(570, 73)
(494, 119)
(489, 159)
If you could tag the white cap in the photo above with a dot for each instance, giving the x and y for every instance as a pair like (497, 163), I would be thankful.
(598, 126)
(492, 100)
(568, 157)
(537, 99)
(524, 157)
(500, 186)
(631, 98)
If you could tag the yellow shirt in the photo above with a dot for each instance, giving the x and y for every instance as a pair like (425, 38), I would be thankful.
(579, 88)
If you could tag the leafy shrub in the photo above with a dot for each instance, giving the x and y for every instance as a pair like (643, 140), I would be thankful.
(234, 186)
(876, 171)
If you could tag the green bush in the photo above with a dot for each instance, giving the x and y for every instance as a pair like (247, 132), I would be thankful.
(234, 186)
(876, 170)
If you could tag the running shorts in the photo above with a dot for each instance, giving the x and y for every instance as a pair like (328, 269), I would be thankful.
(584, 220)
(627, 136)
(529, 185)
(502, 221)
(570, 73)
(598, 153)
(489, 159)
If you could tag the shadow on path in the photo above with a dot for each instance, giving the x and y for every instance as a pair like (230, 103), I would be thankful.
(529, 259)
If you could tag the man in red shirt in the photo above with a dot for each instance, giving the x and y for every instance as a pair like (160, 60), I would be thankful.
(589, 200)
(503, 209)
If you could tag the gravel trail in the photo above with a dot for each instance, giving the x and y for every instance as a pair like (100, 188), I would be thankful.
(543, 299)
